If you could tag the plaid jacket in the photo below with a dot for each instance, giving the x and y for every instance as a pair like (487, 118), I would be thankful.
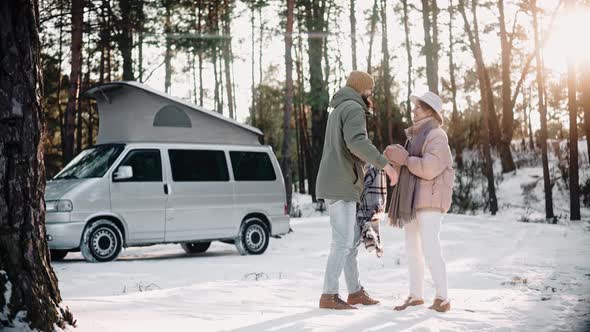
(371, 208)
(373, 196)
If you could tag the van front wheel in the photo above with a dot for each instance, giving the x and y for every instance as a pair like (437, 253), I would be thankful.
(253, 237)
(101, 242)
(195, 247)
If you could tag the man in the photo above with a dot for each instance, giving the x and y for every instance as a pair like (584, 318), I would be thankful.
(340, 182)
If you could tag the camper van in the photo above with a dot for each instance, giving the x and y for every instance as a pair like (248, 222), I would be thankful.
(181, 187)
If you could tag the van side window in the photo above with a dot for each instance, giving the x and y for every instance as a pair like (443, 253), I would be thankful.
(146, 164)
(198, 165)
(252, 166)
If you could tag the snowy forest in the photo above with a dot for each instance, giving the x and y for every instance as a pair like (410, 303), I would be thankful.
(514, 79)
(513, 63)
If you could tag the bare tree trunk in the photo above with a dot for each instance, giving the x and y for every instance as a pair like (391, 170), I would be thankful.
(74, 89)
(140, 39)
(220, 82)
(315, 22)
(80, 119)
(109, 27)
(261, 22)
(531, 140)
(435, 43)
(543, 114)
(306, 146)
(326, 52)
(125, 39)
(286, 147)
(200, 48)
(90, 141)
(573, 141)
(388, 107)
(102, 41)
(525, 108)
(252, 63)
(102, 63)
(480, 69)
(429, 47)
(216, 98)
(227, 55)
(586, 101)
(168, 52)
(494, 126)
(193, 66)
(201, 88)
(374, 18)
(408, 43)
(60, 81)
(455, 126)
(353, 33)
(301, 127)
(29, 286)
(507, 105)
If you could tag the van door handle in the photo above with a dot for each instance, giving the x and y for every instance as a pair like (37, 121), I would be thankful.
(166, 188)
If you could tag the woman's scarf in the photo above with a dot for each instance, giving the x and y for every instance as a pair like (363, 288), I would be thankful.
(402, 209)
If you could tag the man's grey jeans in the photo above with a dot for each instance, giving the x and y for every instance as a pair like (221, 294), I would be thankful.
(344, 248)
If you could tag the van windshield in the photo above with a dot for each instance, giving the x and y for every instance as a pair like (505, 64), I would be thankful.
(91, 163)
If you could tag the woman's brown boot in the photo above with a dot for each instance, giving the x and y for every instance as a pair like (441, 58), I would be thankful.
(441, 305)
(333, 301)
(410, 302)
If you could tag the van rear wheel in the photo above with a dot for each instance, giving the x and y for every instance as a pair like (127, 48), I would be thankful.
(253, 237)
(195, 247)
(101, 242)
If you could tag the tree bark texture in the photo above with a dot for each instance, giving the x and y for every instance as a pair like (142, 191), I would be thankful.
(29, 286)
(288, 108)
(543, 115)
(75, 73)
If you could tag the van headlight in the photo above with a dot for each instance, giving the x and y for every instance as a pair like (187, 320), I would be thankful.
(60, 205)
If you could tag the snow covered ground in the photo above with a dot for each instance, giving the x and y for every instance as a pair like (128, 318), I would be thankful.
(503, 276)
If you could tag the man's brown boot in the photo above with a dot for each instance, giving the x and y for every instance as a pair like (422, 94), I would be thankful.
(361, 297)
(410, 302)
(441, 305)
(333, 301)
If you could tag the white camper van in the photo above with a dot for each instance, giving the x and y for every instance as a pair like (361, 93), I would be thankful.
(182, 187)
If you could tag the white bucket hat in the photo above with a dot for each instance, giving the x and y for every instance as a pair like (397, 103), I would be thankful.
(431, 99)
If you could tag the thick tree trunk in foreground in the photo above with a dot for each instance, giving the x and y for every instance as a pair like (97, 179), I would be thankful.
(27, 281)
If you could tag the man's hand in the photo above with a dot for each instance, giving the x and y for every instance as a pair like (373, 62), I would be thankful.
(396, 154)
(391, 174)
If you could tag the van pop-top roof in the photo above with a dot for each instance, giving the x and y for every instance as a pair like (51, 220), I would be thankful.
(133, 112)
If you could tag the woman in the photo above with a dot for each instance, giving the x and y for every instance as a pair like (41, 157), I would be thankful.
(422, 196)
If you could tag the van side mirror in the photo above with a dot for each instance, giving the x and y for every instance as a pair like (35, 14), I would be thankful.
(123, 173)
